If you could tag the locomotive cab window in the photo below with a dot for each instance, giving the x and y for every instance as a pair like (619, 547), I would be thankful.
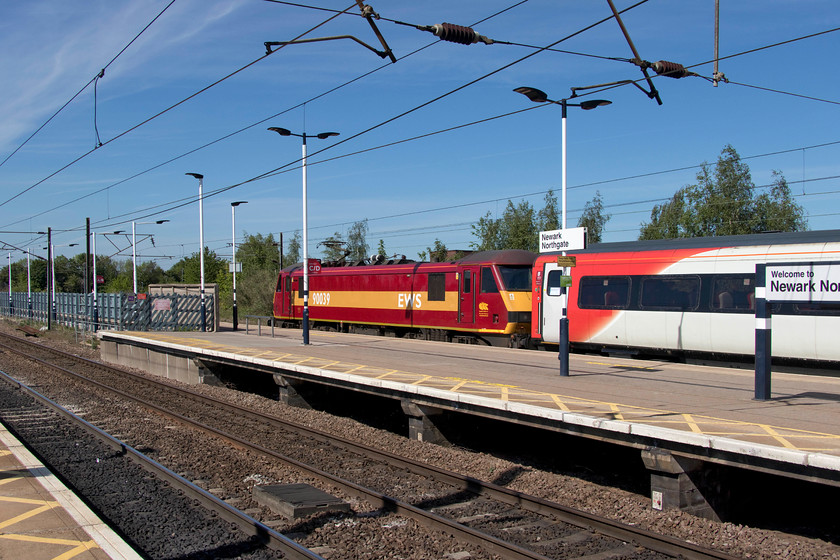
(604, 292)
(670, 293)
(488, 282)
(515, 278)
(467, 281)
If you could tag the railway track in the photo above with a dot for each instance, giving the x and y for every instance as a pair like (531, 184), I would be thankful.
(154, 508)
(500, 521)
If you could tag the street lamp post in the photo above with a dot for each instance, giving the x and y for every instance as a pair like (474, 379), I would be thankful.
(200, 178)
(539, 96)
(134, 247)
(322, 136)
(28, 285)
(51, 248)
(10, 285)
(233, 206)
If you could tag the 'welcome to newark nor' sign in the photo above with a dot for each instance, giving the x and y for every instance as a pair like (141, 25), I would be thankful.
(803, 282)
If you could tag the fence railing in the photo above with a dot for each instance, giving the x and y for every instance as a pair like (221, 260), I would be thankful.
(168, 312)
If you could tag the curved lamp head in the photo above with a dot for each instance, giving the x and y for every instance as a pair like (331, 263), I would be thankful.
(196, 175)
(161, 221)
(324, 135)
(281, 131)
(238, 202)
(593, 104)
(534, 94)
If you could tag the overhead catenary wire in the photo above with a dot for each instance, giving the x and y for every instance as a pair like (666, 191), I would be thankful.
(242, 183)
(337, 12)
(156, 115)
(93, 80)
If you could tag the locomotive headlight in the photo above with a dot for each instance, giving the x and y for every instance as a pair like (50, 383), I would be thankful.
(519, 316)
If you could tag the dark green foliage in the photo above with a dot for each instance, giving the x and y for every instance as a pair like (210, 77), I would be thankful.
(724, 202)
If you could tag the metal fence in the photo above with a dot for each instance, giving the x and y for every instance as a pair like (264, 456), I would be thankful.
(122, 312)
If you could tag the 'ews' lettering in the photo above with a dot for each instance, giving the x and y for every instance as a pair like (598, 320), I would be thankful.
(409, 301)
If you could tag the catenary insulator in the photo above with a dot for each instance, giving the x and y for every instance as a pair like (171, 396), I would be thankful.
(458, 34)
(670, 69)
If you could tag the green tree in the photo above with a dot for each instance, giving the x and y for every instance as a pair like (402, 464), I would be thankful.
(188, 269)
(356, 243)
(548, 218)
(516, 229)
(380, 250)
(438, 253)
(723, 202)
(594, 219)
(258, 252)
(776, 210)
(292, 256)
(260, 260)
(334, 250)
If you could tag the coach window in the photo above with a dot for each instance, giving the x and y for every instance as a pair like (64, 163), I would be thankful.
(670, 293)
(467, 281)
(552, 283)
(733, 293)
(437, 286)
(488, 282)
(604, 292)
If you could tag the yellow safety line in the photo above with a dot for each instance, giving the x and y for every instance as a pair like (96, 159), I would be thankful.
(31, 513)
(692, 424)
(50, 540)
(83, 547)
(459, 385)
(777, 436)
(10, 479)
(562, 402)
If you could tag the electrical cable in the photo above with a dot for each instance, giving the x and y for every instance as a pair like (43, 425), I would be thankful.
(580, 186)
(164, 111)
(262, 121)
(92, 81)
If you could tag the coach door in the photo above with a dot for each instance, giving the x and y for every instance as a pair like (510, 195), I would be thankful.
(466, 295)
(551, 304)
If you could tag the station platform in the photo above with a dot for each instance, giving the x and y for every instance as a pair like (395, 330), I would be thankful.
(40, 519)
(675, 414)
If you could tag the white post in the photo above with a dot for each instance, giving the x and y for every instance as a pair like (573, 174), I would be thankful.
(28, 285)
(134, 255)
(201, 250)
(95, 282)
(305, 251)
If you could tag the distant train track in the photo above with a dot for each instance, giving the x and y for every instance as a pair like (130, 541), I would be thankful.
(471, 510)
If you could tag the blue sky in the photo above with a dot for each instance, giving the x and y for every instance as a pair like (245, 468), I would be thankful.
(780, 112)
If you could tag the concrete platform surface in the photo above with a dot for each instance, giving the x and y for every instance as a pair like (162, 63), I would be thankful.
(40, 519)
(692, 404)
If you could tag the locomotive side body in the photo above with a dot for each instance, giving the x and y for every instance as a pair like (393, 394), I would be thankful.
(686, 297)
(484, 297)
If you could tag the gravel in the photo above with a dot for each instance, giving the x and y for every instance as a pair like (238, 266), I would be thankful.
(598, 498)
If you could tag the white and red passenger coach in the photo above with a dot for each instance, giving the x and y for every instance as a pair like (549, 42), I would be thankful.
(684, 297)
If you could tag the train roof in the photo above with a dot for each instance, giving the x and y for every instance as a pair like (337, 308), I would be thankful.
(776, 238)
(505, 256)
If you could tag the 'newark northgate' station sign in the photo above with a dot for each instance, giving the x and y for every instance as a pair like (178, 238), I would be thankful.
(809, 282)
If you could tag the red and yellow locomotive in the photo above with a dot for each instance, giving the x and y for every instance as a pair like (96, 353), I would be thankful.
(481, 298)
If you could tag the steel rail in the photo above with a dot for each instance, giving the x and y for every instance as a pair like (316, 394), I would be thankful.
(648, 539)
(247, 524)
